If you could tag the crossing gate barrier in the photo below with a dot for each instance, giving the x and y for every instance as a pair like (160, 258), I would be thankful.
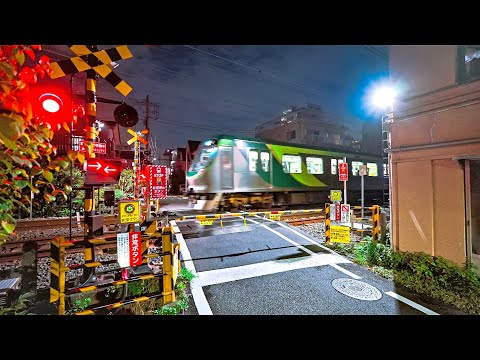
(171, 267)
(209, 219)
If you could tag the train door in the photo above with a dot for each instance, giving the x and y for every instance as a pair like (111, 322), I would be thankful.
(259, 173)
(226, 167)
(266, 167)
(472, 194)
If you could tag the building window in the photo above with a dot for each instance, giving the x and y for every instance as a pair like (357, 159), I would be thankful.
(356, 167)
(468, 63)
(372, 169)
(265, 159)
(252, 160)
(291, 135)
(292, 164)
(314, 165)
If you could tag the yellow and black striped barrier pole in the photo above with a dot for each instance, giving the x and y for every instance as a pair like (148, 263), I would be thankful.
(375, 222)
(90, 134)
(168, 282)
(327, 223)
(57, 272)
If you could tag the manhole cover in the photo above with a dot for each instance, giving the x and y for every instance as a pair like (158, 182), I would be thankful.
(356, 289)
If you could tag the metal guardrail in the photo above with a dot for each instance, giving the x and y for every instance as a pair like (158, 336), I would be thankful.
(58, 269)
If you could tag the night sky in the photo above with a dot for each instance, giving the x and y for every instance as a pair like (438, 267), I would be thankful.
(202, 90)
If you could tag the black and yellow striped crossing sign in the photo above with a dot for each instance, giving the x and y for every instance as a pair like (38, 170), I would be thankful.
(100, 61)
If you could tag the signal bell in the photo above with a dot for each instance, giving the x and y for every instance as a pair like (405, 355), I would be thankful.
(125, 115)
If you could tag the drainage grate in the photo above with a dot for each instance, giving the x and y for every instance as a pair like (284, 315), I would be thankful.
(356, 289)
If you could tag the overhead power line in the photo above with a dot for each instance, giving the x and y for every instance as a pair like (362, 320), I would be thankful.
(255, 69)
(376, 52)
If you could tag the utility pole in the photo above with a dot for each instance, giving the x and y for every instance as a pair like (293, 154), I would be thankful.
(146, 122)
(91, 113)
(147, 152)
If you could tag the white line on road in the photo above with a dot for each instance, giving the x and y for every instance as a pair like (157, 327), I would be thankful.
(316, 243)
(284, 238)
(411, 303)
(197, 292)
(345, 271)
(302, 235)
(218, 276)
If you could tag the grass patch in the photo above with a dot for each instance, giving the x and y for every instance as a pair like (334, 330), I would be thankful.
(180, 304)
(433, 277)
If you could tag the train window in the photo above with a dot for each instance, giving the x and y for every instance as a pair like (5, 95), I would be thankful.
(372, 169)
(333, 166)
(252, 160)
(314, 165)
(265, 159)
(292, 164)
(356, 167)
(203, 159)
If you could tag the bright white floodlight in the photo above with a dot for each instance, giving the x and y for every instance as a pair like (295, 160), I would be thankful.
(383, 97)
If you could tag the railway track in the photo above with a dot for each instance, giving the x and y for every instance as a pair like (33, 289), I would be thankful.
(13, 252)
(27, 225)
(301, 219)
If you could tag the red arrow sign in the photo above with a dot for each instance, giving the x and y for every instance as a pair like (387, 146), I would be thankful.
(103, 171)
(107, 169)
(97, 165)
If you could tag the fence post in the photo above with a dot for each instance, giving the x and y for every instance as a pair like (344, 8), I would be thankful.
(327, 223)
(375, 222)
(57, 273)
(168, 282)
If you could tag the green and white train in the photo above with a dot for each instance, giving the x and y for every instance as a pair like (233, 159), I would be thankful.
(228, 171)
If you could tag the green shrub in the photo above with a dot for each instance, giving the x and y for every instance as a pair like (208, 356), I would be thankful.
(435, 277)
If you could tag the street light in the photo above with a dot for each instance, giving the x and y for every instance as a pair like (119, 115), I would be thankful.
(382, 98)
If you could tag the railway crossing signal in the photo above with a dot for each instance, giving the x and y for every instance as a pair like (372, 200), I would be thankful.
(102, 171)
(97, 60)
(137, 136)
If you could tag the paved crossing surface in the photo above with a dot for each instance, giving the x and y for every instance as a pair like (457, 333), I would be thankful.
(271, 268)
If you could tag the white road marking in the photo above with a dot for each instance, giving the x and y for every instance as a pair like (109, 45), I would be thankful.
(411, 303)
(197, 292)
(316, 243)
(345, 271)
(218, 276)
(302, 235)
(285, 238)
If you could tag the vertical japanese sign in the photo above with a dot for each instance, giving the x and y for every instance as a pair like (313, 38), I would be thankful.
(135, 248)
(123, 252)
(337, 212)
(343, 171)
(157, 181)
(129, 249)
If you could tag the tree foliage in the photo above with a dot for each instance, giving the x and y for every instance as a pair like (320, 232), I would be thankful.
(25, 141)
(126, 184)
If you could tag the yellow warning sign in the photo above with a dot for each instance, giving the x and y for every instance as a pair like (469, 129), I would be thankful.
(335, 195)
(340, 234)
(206, 222)
(129, 211)
(275, 216)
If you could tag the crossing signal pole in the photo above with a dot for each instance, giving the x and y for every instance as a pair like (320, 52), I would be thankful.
(95, 62)
(91, 132)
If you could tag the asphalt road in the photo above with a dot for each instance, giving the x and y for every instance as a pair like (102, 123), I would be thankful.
(270, 268)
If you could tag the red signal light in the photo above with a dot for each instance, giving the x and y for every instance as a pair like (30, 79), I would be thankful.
(51, 105)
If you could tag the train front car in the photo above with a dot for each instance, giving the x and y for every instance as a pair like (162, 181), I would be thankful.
(202, 175)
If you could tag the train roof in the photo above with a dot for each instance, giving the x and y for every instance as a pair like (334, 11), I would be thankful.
(284, 143)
